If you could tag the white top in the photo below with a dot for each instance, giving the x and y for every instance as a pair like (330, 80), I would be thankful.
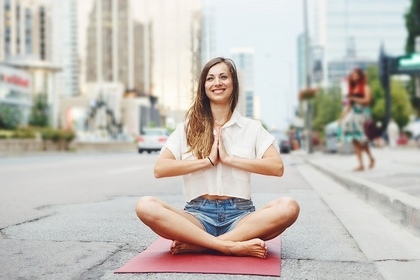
(242, 137)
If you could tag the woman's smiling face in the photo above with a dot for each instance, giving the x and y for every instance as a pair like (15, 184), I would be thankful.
(219, 85)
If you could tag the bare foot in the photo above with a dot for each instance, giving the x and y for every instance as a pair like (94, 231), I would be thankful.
(360, 168)
(372, 163)
(178, 247)
(254, 248)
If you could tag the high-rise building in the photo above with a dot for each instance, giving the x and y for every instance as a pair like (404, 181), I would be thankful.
(151, 47)
(25, 53)
(64, 46)
(113, 49)
(208, 32)
(351, 33)
(244, 60)
(24, 30)
(147, 49)
(175, 33)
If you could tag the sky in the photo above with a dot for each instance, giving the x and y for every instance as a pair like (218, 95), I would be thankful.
(271, 27)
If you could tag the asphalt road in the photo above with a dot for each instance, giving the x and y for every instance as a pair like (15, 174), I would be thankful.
(71, 216)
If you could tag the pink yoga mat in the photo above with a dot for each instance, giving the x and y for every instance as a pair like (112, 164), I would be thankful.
(157, 258)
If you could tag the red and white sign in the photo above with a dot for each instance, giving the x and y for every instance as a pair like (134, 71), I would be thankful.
(14, 79)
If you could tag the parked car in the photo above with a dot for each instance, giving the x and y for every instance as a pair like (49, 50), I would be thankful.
(283, 141)
(331, 137)
(332, 143)
(152, 139)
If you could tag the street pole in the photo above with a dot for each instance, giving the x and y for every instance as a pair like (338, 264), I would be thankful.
(384, 68)
(308, 79)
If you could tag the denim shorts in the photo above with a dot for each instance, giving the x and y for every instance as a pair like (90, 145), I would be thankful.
(219, 216)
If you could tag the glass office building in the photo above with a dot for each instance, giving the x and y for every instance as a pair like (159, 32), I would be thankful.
(244, 60)
(352, 31)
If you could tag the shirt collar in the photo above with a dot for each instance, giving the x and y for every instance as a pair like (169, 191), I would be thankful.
(236, 118)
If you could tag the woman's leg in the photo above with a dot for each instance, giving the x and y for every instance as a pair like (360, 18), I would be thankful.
(366, 148)
(175, 224)
(358, 150)
(274, 218)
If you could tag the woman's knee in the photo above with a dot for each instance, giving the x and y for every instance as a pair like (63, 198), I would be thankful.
(146, 207)
(290, 208)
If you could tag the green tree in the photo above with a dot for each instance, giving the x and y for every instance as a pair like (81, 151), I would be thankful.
(327, 107)
(412, 23)
(10, 116)
(401, 108)
(377, 92)
(40, 111)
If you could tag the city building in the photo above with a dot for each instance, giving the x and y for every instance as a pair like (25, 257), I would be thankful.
(244, 60)
(15, 92)
(24, 29)
(177, 49)
(137, 55)
(351, 33)
(112, 48)
(148, 46)
(64, 42)
(25, 55)
(107, 55)
(208, 32)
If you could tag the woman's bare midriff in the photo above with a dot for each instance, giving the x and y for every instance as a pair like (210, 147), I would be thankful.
(215, 197)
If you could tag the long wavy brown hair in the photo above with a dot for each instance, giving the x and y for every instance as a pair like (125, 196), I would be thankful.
(200, 122)
(357, 86)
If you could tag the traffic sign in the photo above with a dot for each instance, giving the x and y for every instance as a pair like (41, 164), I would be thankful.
(408, 64)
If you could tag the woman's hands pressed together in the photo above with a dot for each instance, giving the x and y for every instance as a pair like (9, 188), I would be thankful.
(218, 152)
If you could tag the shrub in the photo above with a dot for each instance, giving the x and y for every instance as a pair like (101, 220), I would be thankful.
(68, 135)
(24, 133)
(46, 133)
(10, 116)
(4, 134)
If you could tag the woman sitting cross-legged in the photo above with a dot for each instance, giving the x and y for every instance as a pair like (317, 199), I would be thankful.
(216, 150)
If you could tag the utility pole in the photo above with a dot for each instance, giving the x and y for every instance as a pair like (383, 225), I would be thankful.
(308, 121)
(384, 72)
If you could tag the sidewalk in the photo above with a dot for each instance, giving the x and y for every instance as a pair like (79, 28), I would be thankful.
(392, 186)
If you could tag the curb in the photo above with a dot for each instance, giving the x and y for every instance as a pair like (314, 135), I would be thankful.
(399, 207)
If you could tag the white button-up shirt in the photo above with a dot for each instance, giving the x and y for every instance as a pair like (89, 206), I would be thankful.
(242, 137)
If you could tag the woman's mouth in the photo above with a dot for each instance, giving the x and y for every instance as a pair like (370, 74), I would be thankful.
(218, 91)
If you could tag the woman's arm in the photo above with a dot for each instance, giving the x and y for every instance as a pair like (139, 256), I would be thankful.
(365, 100)
(344, 113)
(270, 163)
(168, 166)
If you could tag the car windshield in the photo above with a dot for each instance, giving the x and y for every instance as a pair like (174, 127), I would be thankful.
(154, 132)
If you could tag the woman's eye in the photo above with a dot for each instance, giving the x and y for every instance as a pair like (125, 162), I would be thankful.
(209, 78)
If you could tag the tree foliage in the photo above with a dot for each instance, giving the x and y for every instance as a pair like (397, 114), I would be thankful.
(378, 94)
(327, 107)
(10, 116)
(412, 23)
(40, 112)
(401, 108)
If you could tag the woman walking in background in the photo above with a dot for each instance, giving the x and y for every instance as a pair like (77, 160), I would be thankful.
(355, 116)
